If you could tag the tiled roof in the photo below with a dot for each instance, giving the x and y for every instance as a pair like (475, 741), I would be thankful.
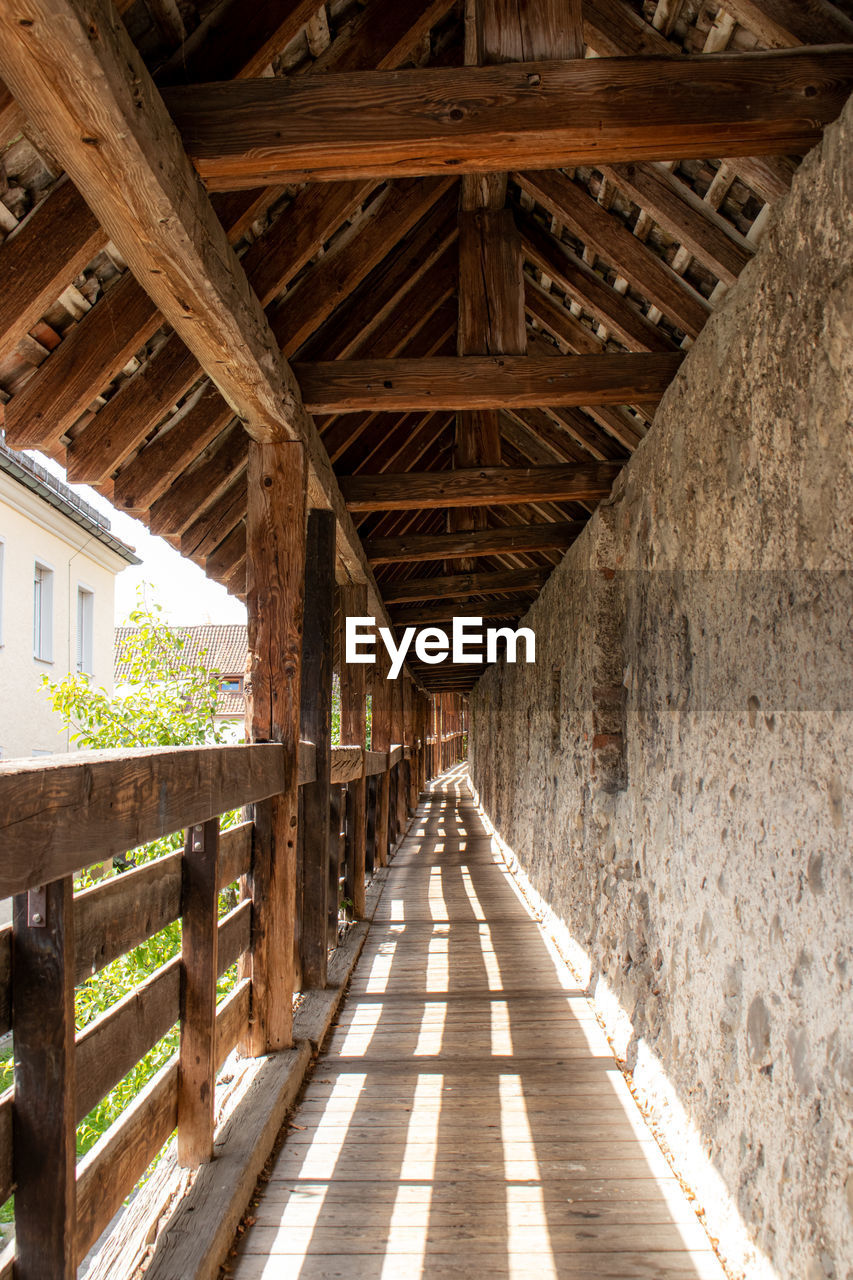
(220, 648)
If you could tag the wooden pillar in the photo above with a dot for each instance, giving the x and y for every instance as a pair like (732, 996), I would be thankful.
(353, 733)
(318, 844)
(275, 582)
(381, 741)
(43, 1143)
(199, 938)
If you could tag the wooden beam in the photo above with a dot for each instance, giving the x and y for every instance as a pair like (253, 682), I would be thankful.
(571, 204)
(483, 486)
(121, 799)
(533, 115)
(459, 585)
(484, 382)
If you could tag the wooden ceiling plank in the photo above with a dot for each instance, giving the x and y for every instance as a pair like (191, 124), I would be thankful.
(222, 563)
(484, 382)
(586, 287)
(352, 325)
(340, 433)
(96, 103)
(52, 400)
(147, 476)
(481, 486)
(47, 249)
(690, 220)
(613, 28)
(217, 520)
(237, 40)
(92, 354)
(334, 276)
(383, 35)
(213, 472)
(535, 114)
(141, 402)
(783, 24)
(598, 230)
(401, 447)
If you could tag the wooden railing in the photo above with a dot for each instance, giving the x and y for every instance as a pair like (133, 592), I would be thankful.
(66, 813)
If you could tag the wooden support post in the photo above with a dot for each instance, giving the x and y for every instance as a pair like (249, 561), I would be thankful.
(353, 730)
(44, 1147)
(319, 843)
(199, 967)
(275, 580)
(381, 741)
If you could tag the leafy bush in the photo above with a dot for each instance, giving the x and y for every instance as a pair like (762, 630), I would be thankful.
(166, 702)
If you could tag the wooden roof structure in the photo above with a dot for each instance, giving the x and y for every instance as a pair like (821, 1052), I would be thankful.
(453, 254)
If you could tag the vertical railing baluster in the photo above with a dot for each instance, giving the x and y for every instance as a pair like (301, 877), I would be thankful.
(199, 938)
(44, 1129)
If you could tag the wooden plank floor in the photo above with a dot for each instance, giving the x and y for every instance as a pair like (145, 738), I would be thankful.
(467, 1117)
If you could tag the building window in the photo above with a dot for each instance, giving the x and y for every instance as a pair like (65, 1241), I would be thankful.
(231, 684)
(85, 630)
(43, 613)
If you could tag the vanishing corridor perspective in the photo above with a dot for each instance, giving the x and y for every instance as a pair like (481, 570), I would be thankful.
(423, 316)
(467, 1116)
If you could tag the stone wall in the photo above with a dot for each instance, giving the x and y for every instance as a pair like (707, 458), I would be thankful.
(674, 773)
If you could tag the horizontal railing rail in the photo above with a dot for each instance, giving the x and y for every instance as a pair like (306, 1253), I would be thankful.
(61, 815)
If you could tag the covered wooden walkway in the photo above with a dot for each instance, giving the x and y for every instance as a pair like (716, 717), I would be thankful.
(467, 1117)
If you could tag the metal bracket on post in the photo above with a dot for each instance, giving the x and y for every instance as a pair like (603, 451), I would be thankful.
(197, 836)
(37, 908)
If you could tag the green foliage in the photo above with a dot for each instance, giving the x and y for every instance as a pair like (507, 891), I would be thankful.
(166, 702)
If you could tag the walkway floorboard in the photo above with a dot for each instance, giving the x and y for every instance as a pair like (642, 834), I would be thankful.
(467, 1117)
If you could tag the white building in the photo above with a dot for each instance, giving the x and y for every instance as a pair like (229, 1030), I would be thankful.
(58, 563)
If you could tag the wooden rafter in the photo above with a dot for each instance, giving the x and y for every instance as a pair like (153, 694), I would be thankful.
(538, 115)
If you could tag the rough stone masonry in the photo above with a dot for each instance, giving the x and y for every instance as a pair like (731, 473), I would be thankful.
(674, 773)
